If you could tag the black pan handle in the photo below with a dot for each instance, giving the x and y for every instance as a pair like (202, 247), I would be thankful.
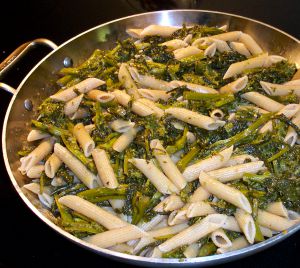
(17, 54)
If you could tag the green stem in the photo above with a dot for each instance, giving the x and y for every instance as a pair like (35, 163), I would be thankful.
(186, 159)
(277, 155)
(53, 130)
(102, 193)
(179, 144)
(207, 249)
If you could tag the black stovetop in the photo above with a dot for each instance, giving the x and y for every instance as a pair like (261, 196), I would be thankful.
(25, 240)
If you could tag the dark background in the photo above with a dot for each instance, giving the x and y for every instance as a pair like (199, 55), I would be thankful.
(25, 240)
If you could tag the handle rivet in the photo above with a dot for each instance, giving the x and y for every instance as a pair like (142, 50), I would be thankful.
(28, 104)
(68, 62)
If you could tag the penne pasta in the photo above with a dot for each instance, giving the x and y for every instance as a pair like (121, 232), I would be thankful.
(278, 209)
(177, 217)
(195, 119)
(200, 194)
(293, 82)
(210, 51)
(266, 232)
(225, 192)
(221, 45)
(84, 139)
(122, 97)
(291, 136)
(82, 87)
(116, 236)
(231, 224)
(156, 110)
(280, 90)
(227, 174)
(229, 36)
(235, 86)
(35, 135)
(216, 114)
(94, 212)
(37, 155)
(167, 165)
(240, 48)
(149, 81)
(238, 243)
(153, 29)
(192, 250)
(155, 234)
(192, 87)
(188, 38)
(100, 96)
(250, 43)
(220, 239)
(154, 95)
(274, 222)
(240, 159)
(175, 44)
(170, 203)
(121, 126)
(262, 60)
(246, 224)
(123, 248)
(89, 128)
(158, 179)
(184, 52)
(194, 232)
(125, 139)
(52, 164)
(192, 172)
(79, 114)
(72, 105)
(127, 81)
(35, 172)
(263, 101)
(79, 169)
(198, 209)
(105, 171)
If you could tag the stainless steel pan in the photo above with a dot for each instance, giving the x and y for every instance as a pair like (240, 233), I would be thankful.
(38, 84)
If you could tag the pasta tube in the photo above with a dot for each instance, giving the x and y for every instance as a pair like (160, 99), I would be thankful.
(167, 165)
(225, 192)
(82, 87)
(192, 172)
(194, 118)
(38, 154)
(94, 212)
(52, 164)
(116, 236)
(280, 90)
(105, 171)
(194, 232)
(127, 82)
(159, 180)
(220, 239)
(274, 222)
(100, 96)
(263, 101)
(79, 169)
(246, 224)
(236, 172)
(84, 139)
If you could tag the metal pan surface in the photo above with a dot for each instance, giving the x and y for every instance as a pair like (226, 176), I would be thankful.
(38, 84)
